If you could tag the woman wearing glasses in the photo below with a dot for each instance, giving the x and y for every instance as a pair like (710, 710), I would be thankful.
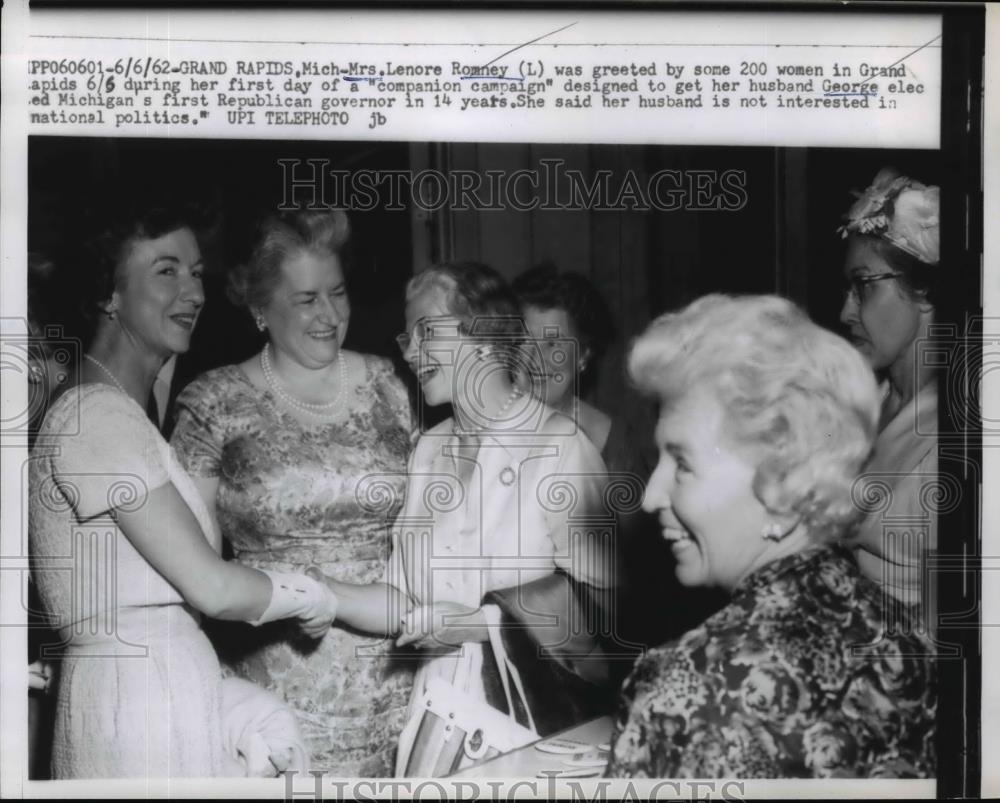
(487, 526)
(284, 446)
(893, 238)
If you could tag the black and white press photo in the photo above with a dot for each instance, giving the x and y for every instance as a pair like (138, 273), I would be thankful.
(589, 401)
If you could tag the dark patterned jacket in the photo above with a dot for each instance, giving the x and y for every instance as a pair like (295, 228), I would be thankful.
(795, 678)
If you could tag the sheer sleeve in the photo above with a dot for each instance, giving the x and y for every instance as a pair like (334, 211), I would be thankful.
(117, 458)
(200, 432)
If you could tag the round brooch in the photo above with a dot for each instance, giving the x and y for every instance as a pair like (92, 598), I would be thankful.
(508, 476)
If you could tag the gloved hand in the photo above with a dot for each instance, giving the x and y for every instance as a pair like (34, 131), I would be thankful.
(301, 597)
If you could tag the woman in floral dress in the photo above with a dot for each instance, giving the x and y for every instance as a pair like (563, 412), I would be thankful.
(301, 451)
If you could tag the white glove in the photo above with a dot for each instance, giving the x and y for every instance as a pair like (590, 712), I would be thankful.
(299, 596)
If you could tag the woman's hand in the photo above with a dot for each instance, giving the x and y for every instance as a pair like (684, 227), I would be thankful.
(39, 675)
(443, 624)
(282, 760)
(317, 574)
(317, 618)
(370, 607)
(259, 760)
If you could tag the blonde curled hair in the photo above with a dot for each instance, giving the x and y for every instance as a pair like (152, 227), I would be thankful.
(796, 397)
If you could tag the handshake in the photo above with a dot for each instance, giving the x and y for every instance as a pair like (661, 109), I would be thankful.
(308, 597)
(300, 596)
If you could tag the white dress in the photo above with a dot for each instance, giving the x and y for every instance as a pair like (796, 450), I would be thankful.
(534, 504)
(140, 691)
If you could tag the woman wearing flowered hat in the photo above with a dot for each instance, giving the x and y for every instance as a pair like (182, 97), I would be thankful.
(892, 268)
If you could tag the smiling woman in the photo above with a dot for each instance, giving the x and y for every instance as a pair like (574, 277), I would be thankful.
(760, 441)
(489, 538)
(569, 326)
(99, 468)
(280, 447)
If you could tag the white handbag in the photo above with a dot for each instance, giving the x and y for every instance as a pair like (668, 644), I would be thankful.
(451, 729)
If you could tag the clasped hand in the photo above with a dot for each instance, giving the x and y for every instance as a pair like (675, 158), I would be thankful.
(442, 624)
(316, 620)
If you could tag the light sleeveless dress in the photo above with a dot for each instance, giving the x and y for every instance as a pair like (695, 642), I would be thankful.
(139, 690)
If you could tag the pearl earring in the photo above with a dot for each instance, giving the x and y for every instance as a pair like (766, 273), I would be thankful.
(261, 323)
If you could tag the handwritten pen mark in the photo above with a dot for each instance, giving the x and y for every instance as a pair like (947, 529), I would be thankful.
(916, 51)
(904, 58)
(543, 36)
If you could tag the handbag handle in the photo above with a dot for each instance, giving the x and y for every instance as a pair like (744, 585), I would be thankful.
(492, 615)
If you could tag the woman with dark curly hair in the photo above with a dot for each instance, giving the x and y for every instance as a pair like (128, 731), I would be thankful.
(569, 326)
(140, 692)
(765, 421)
(282, 447)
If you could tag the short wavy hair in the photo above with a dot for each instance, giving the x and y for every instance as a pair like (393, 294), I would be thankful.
(801, 399)
(96, 274)
(279, 237)
(544, 287)
(480, 298)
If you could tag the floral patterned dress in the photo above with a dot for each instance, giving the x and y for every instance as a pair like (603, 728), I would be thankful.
(796, 678)
(290, 495)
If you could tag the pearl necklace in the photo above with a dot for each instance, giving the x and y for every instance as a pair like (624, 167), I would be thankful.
(107, 371)
(515, 394)
(298, 404)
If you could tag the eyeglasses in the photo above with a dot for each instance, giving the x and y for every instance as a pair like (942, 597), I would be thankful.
(428, 329)
(859, 287)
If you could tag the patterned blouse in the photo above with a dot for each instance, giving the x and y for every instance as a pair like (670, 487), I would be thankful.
(795, 678)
